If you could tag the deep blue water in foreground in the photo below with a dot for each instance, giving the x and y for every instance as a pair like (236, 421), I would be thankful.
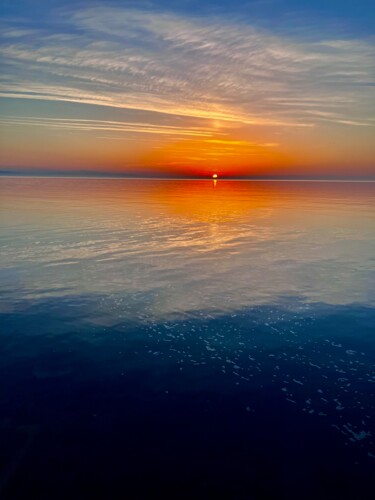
(179, 339)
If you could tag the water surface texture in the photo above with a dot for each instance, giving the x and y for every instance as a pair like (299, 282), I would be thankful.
(186, 339)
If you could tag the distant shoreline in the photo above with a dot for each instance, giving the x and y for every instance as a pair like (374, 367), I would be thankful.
(220, 179)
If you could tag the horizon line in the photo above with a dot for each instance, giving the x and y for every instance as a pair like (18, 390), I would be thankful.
(147, 178)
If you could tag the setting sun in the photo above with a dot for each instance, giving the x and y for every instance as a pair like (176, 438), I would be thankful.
(214, 176)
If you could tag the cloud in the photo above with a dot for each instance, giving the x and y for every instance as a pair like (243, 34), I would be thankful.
(105, 125)
(206, 68)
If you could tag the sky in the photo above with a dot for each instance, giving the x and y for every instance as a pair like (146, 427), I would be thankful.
(251, 88)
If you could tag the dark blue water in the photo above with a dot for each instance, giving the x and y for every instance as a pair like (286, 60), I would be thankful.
(184, 340)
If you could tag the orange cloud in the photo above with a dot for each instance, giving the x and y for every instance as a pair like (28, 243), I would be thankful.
(224, 156)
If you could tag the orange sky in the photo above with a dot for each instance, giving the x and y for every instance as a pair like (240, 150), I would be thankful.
(137, 91)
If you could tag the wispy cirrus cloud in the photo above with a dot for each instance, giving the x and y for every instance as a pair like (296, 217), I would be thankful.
(106, 125)
(203, 68)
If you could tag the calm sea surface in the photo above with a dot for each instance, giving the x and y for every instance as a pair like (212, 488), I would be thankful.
(180, 339)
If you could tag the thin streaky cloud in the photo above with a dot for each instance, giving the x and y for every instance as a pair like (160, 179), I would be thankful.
(212, 69)
(92, 125)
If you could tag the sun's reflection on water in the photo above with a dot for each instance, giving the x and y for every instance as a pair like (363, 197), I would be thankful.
(190, 245)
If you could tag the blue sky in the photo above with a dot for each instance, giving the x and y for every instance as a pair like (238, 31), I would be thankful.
(355, 17)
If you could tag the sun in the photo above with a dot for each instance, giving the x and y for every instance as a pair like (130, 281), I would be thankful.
(214, 176)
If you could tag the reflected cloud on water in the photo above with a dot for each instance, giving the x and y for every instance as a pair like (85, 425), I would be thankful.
(188, 244)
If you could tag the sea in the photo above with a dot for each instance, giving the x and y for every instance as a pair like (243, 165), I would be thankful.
(186, 339)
